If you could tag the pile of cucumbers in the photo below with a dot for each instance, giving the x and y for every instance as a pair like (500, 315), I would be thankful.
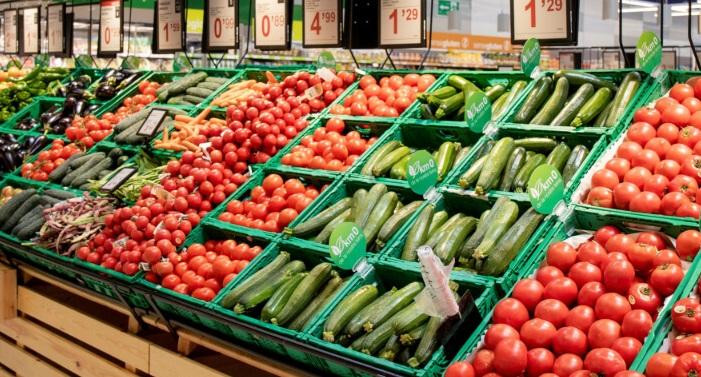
(448, 102)
(391, 326)
(23, 215)
(190, 90)
(126, 131)
(575, 99)
(378, 212)
(391, 159)
(285, 293)
(79, 169)
(507, 164)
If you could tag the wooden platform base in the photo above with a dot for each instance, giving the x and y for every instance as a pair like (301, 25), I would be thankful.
(48, 328)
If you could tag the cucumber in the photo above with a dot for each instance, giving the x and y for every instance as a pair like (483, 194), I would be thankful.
(444, 230)
(439, 218)
(592, 107)
(398, 301)
(413, 336)
(450, 105)
(537, 144)
(195, 100)
(30, 228)
(92, 172)
(582, 78)
(199, 92)
(304, 293)
(521, 179)
(398, 170)
(623, 98)
(495, 92)
(554, 103)
(318, 303)
(383, 166)
(470, 176)
(511, 243)
(515, 91)
(75, 173)
(498, 225)
(447, 153)
(461, 83)
(576, 159)
(14, 203)
(477, 237)
(186, 82)
(418, 233)
(382, 211)
(63, 169)
(366, 207)
(391, 348)
(28, 218)
(358, 201)
(276, 302)
(601, 118)
(325, 234)
(209, 85)
(558, 157)
(498, 105)
(428, 343)
(218, 80)
(572, 107)
(348, 308)
(535, 99)
(59, 194)
(516, 161)
(262, 290)
(493, 167)
(31, 202)
(378, 155)
(392, 225)
(318, 222)
(448, 247)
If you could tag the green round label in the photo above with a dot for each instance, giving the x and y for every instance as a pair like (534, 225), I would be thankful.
(545, 188)
(478, 111)
(326, 60)
(421, 172)
(347, 245)
(530, 56)
(648, 52)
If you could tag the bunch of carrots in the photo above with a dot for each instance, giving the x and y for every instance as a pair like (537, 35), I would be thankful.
(187, 134)
(238, 92)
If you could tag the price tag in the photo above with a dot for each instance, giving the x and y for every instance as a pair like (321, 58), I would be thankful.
(111, 25)
(221, 28)
(546, 189)
(10, 17)
(118, 179)
(152, 123)
(170, 21)
(273, 26)
(322, 26)
(648, 52)
(347, 245)
(402, 23)
(30, 31)
(478, 111)
(546, 20)
(55, 21)
(422, 172)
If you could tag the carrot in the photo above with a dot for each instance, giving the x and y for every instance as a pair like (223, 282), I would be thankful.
(182, 118)
(201, 116)
(218, 121)
(189, 145)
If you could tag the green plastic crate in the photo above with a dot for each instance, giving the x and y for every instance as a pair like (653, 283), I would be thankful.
(34, 111)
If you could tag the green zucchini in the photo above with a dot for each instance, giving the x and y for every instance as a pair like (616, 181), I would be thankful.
(450, 105)
(378, 155)
(498, 105)
(318, 303)
(601, 118)
(516, 89)
(377, 338)
(426, 112)
(440, 93)
(382, 211)
(348, 308)
(498, 225)
(325, 234)
(495, 92)
(623, 98)
(366, 207)
(572, 107)
(303, 293)
(418, 233)
(511, 243)
(462, 153)
(428, 343)
(318, 222)
(439, 218)
(554, 103)
(413, 336)
(9, 208)
(516, 161)
(398, 170)
(448, 247)
(558, 156)
(576, 159)
(358, 201)
(391, 348)
(392, 225)
(278, 300)
(469, 177)
(535, 99)
(477, 237)
(262, 290)
(444, 230)
(493, 167)
(521, 179)
(356, 323)
(581, 78)
(592, 107)
(462, 83)
(537, 144)
(398, 301)
(447, 153)
(381, 167)
(358, 343)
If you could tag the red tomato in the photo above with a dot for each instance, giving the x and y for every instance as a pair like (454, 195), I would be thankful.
(603, 234)
(660, 365)
(592, 252)
(628, 150)
(683, 343)
(623, 193)
(604, 361)
(668, 131)
(590, 292)
(647, 158)
(553, 311)
(688, 364)
(689, 209)
(619, 276)
(581, 317)
(679, 153)
(563, 289)
(648, 115)
(659, 145)
(511, 312)
(606, 178)
(483, 362)
(546, 274)
(620, 243)
(529, 292)
(565, 365)
(638, 176)
(688, 244)
(643, 296)
(693, 104)
(646, 202)
(640, 132)
(641, 256)
(460, 369)
(561, 255)
(681, 91)
(510, 358)
(657, 184)
(611, 306)
(618, 165)
(666, 256)
(686, 315)
(537, 333)
(603, 332)
(540, 361)
(672, 201)
(665, 103)
(665, 278)
(668, 168)
(637, 324)
(584, 272)
(498, 332)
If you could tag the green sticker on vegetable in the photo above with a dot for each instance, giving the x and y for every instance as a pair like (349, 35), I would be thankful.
(347, 245)
(421, 172)
(478, 111)
(545, 189)
(648, 52)
(530, 56)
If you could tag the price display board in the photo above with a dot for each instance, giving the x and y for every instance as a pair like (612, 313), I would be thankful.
(273, 24)
(549, 21)
(31, 31)
(221, 26)
(111, 28)
(56, 30)
(11, 31)
(402, 23)
(170, 26)
(322, 23)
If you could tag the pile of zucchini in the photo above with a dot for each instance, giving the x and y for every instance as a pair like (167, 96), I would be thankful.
(285, 292)
(378, 212)
(391, 159)
(575, 99)
(125, 132)
(79, 169)
(448, 102)
(508, 164)
(190, 90)
(22, 215)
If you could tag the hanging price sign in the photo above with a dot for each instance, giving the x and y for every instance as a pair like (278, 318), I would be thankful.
(170, 26)
(402, 23)
(322, 23)
(30, 31)
(55, 22)
(221, 27)
(273, 25)
(10, 30)
(549, 21)
(111, 26)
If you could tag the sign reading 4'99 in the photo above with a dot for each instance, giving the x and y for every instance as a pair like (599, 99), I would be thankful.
(549, 21)
(111, 25)
(273, 24)
(322, 23)
(170, 26)
(402, 23)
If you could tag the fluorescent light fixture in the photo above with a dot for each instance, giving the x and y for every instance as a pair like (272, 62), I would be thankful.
(684, 8)
(639, 10)
(639, 3)
(693, 13)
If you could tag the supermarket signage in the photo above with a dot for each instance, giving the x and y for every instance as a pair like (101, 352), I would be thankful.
(31, 30)
(545, 189)
(152, 123)
(111, 28)
(530, 57)
(347, 245)
(221, 26)
(118, 180)
(447, 6)
(321, 23)
(273, 24)
(11, 30)
(170, 27)
(648, 52)
(55, 29)
(402, 23)
(421, 172)
(550, 21)
(478, 111)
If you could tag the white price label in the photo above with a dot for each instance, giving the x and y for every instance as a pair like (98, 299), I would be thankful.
(54, 25)
(170, 26)
(10, 31)
(272, 24)
(401, 23)
(222, 25)
(321, 23)
(110, 27)
(541, 19)
(30, 31)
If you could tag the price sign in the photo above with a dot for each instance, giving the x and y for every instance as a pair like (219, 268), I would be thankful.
(170, 22)
(111, 25)
(221, 28)
(10, 30)
(55, 21)
(118, 179)
(273, 25)
(152, 123)
(322, 24)
(29, 43)
(550, 21)
(402, 23)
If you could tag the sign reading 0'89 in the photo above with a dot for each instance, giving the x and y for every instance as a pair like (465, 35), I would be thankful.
(273, 27)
